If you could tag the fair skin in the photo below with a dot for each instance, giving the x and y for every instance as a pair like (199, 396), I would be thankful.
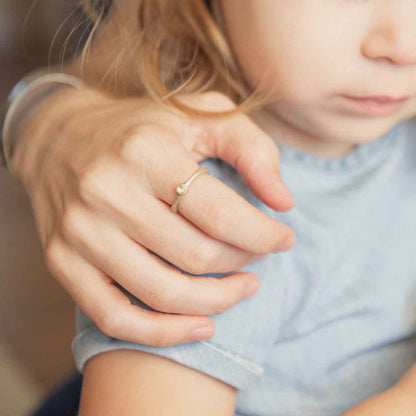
(93, 233)
(361, 48)
(44, 165)
(88, 160)
(356, 47)
(128, 382)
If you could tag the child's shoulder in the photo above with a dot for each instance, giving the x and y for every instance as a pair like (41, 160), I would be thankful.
(411, 124)
(407, 131)
(406, 142)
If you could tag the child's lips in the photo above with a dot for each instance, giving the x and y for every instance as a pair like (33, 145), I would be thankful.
(374, 105)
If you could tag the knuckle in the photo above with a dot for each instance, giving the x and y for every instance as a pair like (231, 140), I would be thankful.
(87, 185)
(215, 100)
(163, 300)
(142, 149)
(199, 132)
(218, 214)
(213, 212)
(53, 257)
(199, 260)
(108, 323)
(91, 184)
(71, 225)
(131, 147)
(56, 262)
(160, 339)
(144, 140)
(155, 334)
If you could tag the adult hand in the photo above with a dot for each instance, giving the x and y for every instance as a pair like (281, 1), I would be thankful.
(101, 175)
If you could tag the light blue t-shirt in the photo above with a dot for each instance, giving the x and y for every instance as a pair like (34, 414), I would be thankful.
(334, 320)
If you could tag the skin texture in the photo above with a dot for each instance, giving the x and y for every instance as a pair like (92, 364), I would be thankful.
(314, 50)
(400, 400)
(127, 382)
(87, 161)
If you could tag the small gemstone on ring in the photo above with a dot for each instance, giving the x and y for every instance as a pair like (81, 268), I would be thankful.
(180, 189)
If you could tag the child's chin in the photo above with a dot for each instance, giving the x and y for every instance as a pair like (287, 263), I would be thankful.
(363, 131)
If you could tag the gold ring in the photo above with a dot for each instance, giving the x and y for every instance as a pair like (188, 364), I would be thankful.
(182, 188)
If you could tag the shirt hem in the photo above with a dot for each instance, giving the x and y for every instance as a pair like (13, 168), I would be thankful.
(200, 355)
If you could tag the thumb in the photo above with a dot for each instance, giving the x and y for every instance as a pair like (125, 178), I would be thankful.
(244, 145)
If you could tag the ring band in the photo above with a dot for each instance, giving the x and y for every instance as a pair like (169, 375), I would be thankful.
(182, 188)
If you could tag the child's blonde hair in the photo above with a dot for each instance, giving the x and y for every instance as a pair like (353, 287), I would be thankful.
(178, 49)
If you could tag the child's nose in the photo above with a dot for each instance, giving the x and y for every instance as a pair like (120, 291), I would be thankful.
(393, 37)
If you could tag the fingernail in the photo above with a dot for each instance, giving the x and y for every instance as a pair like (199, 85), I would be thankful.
(282, 188)
(202, 333)
(251, 289)
(286, 244)
(289, 242)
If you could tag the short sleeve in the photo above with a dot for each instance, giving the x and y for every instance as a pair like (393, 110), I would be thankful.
(244, 333)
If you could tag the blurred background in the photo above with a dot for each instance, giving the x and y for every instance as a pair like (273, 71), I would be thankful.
(36, 314)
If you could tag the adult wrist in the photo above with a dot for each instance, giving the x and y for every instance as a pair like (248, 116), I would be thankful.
(25, 97)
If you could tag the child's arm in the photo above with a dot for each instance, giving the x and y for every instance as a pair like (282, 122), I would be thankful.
(400, 400)
(134, 383)
(131, 382)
